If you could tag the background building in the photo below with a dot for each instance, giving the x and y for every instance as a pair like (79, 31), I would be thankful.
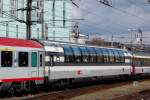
(57, 19)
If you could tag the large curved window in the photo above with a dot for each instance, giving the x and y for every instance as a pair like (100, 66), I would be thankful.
(105, 55)
(111, 56)
(68, 53)
(117, 56)
(85, 54)
(92, 57)
(99, 55)
(77, 54)
(122, 56)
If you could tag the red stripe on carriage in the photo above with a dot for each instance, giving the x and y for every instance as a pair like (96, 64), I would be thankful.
(21, 79)
(19, 42)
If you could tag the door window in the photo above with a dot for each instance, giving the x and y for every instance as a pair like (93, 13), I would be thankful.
(34, 59)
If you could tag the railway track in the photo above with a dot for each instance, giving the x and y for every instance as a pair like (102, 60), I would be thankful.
(143, 95)
(66, 94)
(87, 89)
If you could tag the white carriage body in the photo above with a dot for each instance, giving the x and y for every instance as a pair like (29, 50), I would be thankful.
(15, 73)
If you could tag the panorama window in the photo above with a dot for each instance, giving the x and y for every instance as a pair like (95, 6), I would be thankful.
(122, 56)
(105, 55)
(111, 56)
(23, 59)
(6, 58)
(34, 59)
(68, 53)
(77, 54)
(100, 58)
(92, 57)
(117, 56)
(85, 54)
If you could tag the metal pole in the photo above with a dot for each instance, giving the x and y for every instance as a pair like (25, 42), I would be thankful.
(7, 30)
(54, 35)
(46, 31)
(17, 31)
(64, 14)
(28, 19)
(38, 31)
(43, 33)
(53, 11)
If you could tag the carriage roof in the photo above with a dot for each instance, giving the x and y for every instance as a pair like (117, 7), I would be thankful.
(19, 43)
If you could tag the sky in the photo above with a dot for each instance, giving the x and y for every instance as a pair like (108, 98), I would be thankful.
(124, 18)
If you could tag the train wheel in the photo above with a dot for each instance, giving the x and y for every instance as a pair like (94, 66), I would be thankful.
(15, 89)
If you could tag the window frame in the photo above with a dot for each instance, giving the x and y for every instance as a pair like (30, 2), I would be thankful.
(11, 59)
(117, 57)
(78, 57)
(84, 54)
(68, 56)
(111, 56)
(92, 55)
(28, 58)
(105, 55)
(122, 57)
(99, 53)
(36, 59)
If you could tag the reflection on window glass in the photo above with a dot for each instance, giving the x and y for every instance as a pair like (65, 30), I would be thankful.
(77, 54)
(85, 54)
(23, 59)
(92, 57)
(34, 59)
(122, 56)
(100, 58)
(105, 55)
(68, 53)
(111, 56)
(6, 58)
(117, 56)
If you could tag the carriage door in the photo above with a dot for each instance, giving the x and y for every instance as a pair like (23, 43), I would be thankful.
(41, 66)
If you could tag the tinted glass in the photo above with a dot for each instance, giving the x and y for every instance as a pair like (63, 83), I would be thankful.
(84, 51)
(34, 59)
(100, 58)
(92, 56)
(67, 50)
(69, 57)
(122, 56)
(117, 56)
(121, 53)
(98, 51)
(85, 54)
(111, 56)
(77, 54)
(23, 59)
(105, 54)
(76, 50)
(6, 58)
(91, 51)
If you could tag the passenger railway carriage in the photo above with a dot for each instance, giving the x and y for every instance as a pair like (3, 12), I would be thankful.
(20, 61)
(29, 62)
(76, 61)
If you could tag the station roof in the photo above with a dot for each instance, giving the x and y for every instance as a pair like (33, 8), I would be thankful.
(19, 42)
